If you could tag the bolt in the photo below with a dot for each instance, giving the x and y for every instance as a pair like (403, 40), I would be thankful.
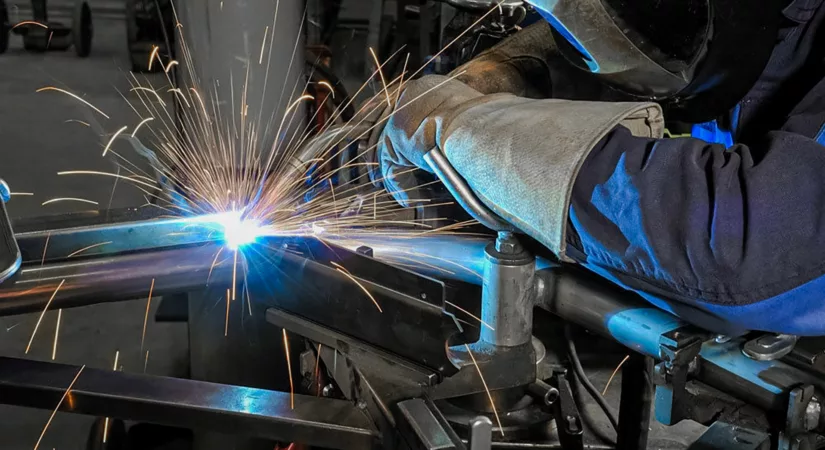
(812, 412)
(572, 426)
(327, 391)
(722, 339)
(507, 243)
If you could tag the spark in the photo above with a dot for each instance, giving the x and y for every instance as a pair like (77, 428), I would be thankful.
(170, 65)
(49, 42)
(612, 375)
(383, 81)
(226, 326)
(65, 393)
(56, 333)
(106, 174)
(155, 50)
(146, 361)
(471, 315)
(30, 22)
(328, 86)
(289, 368)
(22, 194)
(214, 262)
(146, 315)
(346, 273)
(234, 274)
(78, 121)
(263, 46)
(486, 389)
(75, 96)
(77, 252)
(106, 421)
(178, 92)
(148, 119)
(68, 199)
(299, 100)
(146, 89)
(40, 319)
(112, 140)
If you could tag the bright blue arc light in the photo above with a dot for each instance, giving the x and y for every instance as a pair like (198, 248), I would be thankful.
(236, 230)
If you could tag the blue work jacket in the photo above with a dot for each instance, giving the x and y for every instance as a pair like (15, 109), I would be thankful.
(726, 228)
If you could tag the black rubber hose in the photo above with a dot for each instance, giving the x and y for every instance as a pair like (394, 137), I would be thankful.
(588, 386)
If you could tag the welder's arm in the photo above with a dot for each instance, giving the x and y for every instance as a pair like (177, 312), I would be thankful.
(737, 233)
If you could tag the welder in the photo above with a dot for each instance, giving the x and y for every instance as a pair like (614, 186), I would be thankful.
(676, 148)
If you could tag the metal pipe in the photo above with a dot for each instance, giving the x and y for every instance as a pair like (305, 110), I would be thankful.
(187, 403)
(463, 194)
(112, 278)
(508, 297)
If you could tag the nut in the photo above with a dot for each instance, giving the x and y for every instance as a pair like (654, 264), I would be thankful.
(507, 244)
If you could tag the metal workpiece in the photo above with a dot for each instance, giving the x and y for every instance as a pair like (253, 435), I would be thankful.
(421, 428)
(502, 368)
(508, 294)
(725, 436)
(84, 282)
(186, 403)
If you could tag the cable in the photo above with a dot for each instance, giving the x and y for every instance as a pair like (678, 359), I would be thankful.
(588, 386)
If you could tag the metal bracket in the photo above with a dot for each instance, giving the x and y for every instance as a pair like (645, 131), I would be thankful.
(568, 420)
(802, 417)
(678, 351)
(770, 347)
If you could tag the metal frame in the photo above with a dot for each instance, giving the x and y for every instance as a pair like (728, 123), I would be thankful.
(375, 364)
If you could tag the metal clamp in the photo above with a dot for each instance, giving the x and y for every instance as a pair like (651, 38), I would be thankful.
(770, 347)
(462, 192)
(678, 350)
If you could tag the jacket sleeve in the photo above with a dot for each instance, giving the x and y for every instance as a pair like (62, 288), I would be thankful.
(736, 235)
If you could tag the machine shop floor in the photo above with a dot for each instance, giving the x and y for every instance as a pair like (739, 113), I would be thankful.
(41, 136)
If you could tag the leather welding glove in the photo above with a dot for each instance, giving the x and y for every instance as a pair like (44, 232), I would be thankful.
(527, 64)
(520, 156)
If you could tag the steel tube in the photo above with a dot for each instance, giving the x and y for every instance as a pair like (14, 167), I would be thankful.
(187, 403)
(112, 278)
(463, 194)
(508, 298)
